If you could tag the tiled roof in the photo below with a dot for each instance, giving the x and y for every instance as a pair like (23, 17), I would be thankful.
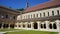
(44, 5)
(9, 10)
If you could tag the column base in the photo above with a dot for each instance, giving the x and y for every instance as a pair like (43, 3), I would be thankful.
(1, 27)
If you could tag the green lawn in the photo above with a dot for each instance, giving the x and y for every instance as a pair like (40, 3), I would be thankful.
(26, 31)
(3, 30)
(32, 32)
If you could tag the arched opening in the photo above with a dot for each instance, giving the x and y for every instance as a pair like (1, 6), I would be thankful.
(12, 25)
(19, 25)
(44, 26)
(5, 25)
(35, 25)
(54, 26)
(23, 26)
(29, 25)
(0, 25)
(41, 25)
(50, 26)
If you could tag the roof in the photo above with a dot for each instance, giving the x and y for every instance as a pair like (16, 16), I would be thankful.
(44, 5)
(9, 10)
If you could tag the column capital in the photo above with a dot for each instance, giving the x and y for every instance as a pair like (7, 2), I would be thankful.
(46, 21)
(57, 21)
(32, 22)
(38, 21)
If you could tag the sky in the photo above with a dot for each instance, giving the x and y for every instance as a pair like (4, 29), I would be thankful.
(15, 4)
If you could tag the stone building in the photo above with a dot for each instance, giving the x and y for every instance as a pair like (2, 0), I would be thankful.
(7, 17)
(43, 17)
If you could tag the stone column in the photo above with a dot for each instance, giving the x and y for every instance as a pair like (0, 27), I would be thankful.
(26, 24)
(9, 26)
(47, 24)
(21, 25)
(17, 25)
(32, 25)
(58, 25)
(2, 25)
(38, 22)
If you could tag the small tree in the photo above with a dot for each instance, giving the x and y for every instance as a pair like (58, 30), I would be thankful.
(21, 9)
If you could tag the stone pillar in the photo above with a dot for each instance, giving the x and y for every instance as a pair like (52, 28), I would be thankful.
(21, 25)
(17, 25)
(26, 24)
(2, 25)
(32, 25)
(58, 25)
(47, 24)
(9, 26)
(38, 22)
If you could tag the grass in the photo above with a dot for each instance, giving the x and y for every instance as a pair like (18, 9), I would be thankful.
(2, 30)
(32, 32)
(26, 31)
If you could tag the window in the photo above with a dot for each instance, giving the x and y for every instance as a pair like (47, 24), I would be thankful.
(37, 15)
(48, 13)
(54, 26)
(50, 26)
(14, 17)
(34, 15)
(44, 14)
(40, 14)
(57, 12)
(6, 16)
(53, 13)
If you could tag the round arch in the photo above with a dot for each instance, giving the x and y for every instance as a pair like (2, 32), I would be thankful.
(50, 26)
(54, 26)
(35, 25)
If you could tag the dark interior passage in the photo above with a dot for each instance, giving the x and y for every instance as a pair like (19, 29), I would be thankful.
(35, 26)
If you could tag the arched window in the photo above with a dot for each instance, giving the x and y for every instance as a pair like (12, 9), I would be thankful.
(33, 15)
(54, 26)
(37, 15)
(44, 13)
(48, 13)
(41, 25)
(6, 16)
(14, 17)
(50, 26)
(45, 26)
(57, 12)
(53, 13)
